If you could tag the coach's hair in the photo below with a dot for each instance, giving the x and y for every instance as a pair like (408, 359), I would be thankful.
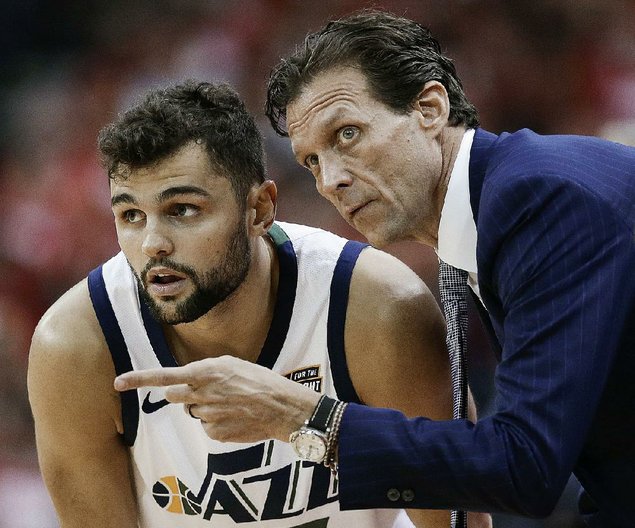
(396, 55)
(169, 118)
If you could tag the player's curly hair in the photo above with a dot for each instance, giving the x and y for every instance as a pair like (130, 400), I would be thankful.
(170, 117)
(396, 55)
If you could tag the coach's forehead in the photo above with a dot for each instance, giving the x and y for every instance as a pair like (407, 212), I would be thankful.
(328, 94)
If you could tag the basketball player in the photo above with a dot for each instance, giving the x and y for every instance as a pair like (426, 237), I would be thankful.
(205, 275)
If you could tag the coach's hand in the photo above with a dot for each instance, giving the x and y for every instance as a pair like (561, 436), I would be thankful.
(236, 400)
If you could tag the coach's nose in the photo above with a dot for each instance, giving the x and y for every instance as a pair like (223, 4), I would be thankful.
(333, 177)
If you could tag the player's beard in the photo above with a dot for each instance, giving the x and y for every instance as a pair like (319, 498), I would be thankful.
(210, 288)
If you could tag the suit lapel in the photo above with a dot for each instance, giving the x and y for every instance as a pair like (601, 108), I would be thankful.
(479, 158)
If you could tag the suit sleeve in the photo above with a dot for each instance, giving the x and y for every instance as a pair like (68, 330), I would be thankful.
(560, 267)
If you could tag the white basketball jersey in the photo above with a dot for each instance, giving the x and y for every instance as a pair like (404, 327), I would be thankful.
(185, 479)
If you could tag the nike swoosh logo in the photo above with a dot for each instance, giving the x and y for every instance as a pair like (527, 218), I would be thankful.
(149, 407)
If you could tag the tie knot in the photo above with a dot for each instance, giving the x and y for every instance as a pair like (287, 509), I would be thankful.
(452, 283)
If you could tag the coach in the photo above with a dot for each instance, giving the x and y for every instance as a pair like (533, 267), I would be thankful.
(544, 226)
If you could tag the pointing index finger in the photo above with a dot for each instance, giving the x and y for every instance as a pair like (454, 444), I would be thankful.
(162, 377)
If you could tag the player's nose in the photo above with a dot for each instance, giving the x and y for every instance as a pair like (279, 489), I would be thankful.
(156, 242)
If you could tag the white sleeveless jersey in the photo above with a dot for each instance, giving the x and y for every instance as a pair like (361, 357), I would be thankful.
(185, 479)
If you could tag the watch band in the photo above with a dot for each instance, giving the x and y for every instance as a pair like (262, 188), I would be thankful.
(321, 417)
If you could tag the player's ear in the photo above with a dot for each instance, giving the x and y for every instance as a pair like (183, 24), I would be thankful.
(433, 106)
(262, 201)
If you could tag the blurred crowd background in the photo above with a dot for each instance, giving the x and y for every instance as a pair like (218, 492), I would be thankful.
(68, 67)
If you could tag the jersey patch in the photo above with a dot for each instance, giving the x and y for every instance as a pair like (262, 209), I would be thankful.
(309, 376)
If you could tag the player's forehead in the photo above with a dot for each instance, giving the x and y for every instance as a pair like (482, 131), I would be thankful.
(188, 167)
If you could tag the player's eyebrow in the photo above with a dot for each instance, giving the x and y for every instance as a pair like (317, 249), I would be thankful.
(122, 198)
(167, 194)
(172, 192)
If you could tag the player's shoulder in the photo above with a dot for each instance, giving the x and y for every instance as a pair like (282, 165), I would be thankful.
(379, 273)
(71, 372)
(387, 296)
(68, 334)
(394, 335)
(309, 236)
(376, 276)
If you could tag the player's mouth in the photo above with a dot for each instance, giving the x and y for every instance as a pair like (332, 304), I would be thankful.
(164, 282)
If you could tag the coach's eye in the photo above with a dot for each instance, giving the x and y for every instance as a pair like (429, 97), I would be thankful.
(348, 133)
(312, 161)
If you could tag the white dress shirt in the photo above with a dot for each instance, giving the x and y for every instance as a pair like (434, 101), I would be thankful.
(457, 229)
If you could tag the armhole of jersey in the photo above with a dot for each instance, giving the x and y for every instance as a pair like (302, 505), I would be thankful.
(118, 351)
(338, 304)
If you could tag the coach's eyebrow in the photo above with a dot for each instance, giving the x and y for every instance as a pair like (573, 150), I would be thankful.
(122, 198)
(181, 190)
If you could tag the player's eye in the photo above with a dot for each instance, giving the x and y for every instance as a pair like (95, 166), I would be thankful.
(132, 216)
(183, 210)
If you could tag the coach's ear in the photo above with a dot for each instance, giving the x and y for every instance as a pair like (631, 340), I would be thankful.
(433, 105)
(262, 201)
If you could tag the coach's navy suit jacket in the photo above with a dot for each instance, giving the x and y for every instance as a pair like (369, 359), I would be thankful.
(555, 217)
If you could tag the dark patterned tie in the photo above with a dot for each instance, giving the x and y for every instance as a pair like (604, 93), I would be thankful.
(453, 290)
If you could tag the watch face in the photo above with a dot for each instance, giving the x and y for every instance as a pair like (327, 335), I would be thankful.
(310, 445)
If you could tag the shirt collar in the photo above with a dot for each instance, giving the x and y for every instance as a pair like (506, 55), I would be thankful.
(457, 229)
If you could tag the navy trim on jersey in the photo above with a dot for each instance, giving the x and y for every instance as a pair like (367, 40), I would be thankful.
(118, 350)
(287, 284)
(157, 337)
(340, 286)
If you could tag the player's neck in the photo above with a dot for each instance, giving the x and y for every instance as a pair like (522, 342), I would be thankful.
(239, 325)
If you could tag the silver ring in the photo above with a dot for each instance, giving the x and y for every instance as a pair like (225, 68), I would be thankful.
(188, 408)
